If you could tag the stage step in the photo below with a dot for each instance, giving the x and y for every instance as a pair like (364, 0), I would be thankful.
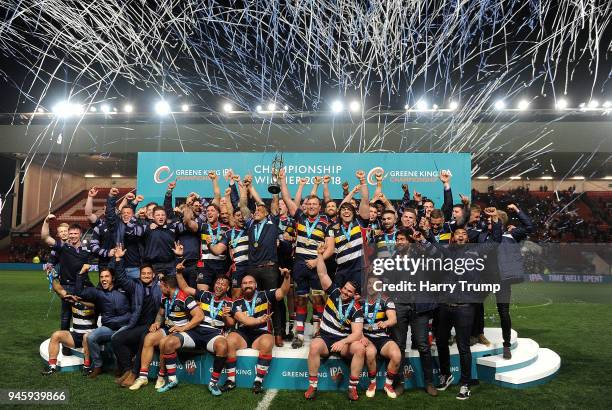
(524, 354)
(539, 372)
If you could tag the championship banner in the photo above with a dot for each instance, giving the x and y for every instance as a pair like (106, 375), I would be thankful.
(190, 170)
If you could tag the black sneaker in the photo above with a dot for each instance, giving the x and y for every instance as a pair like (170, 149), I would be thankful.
(257, 387)
(227, 386)
(86, 371)
(49, 370)
(445, 381)
(297, 342)
(507, 353)
(464, 392)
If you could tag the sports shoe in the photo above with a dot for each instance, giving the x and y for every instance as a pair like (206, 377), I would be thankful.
(388, 388)
(129, 380)
(49, 370)
(86, 370)
(445, 381)
(124, 376)
(464, 392)
(257, 388)
(297, 342)
(371, 392)
(311, 393)
(160, 382)
(507, 353)
(431, 390)
(228, 385)
(473, 340)
(352, 394)
(141, 381)
(482, 339)
(170, 385)
(213, 388)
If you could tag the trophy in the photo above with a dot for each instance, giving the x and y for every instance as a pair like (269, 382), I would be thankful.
(277, 165)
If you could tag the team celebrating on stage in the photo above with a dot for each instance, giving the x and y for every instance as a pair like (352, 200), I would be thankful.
(235, 272)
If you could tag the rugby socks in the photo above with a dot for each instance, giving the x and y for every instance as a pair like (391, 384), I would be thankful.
(87, 362)
(230, 369)
(53, 363)
(170, 360)
(144, 373)
(263, 363)
(317, 312)
(390, 377)
(162, 371)
(372, 376)
(218, 365)
(300, 318)
(313, 381)
(353, 381)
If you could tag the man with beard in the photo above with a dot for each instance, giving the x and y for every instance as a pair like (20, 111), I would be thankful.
(253, 313)
(179, 315)
(217, 308)
(84, 319)
(341, 332)
(131, 243)
(159, 240)
(436, 227)
(145, 299)
(212, 231)
(102, 238)
(114, 307)
(379, 317)
(414, 312)
(385, 241)
(190, 240)
(458, 308)
(311, 230)
(71, 256)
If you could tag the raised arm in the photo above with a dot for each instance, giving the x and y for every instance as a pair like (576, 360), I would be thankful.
(274, 208)
(216, 190)
(180, 268)
(447, 206)
(168, 205)
(316, 181)
(298, 193)
(281, 292)
(243, 203)
(326, 195)
(229, 206)
(188, 219)
(379, 179)
(291, 206)
(364, 203)
(350, 196)
(91, 217)
(44, 231)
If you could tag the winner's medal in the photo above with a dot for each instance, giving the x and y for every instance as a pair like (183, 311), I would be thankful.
(310, 229)
(342, 316)
(257, 232)
(168, 309)
(371, 317)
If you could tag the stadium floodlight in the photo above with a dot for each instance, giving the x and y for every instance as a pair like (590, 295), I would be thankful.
(453, 105)
(258, 108)
(435, 106)
(40, 109)
(523, 105)
(162, 107)
(607, 104)
(337, 106)
(355, 106)
(128, 108)
(93, 109)
(286, 108)
(272, 107)
(406, 107)
(184, 107)
(228, 107)
(115, 175)
(561, 104)
(500, 105)
(105, 108)
(608, 177)
(593, 104)
(421, 105)
(64, 109)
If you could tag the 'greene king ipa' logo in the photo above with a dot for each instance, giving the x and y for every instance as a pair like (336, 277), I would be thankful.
(162, 174)
(190, 366)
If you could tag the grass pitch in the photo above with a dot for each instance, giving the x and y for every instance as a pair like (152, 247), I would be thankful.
(559, 316)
